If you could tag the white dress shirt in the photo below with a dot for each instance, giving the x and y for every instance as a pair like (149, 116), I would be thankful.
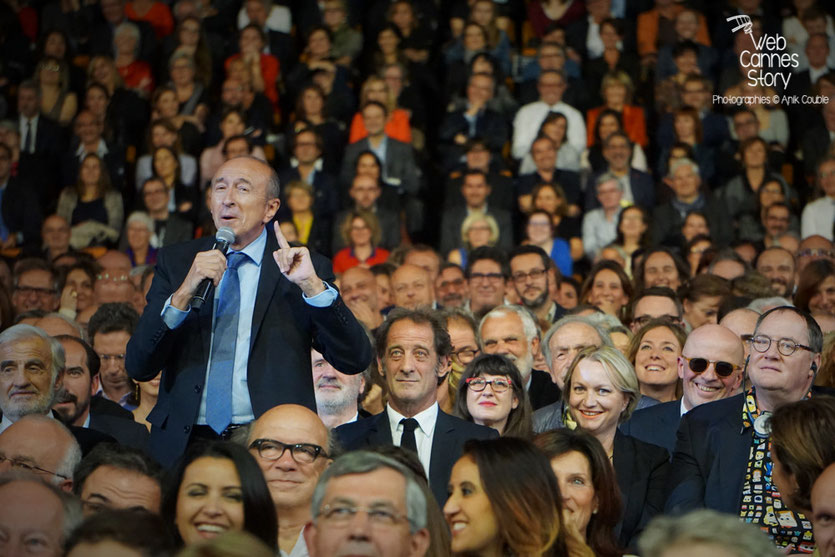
(423, 434)
(530, 117)
(818, 217)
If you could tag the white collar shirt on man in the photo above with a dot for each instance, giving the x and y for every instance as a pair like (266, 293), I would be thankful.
(423, 434)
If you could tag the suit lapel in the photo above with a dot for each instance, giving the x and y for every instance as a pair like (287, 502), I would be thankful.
(734, 448)
(267, 285)
(380, 432)
(439, 464)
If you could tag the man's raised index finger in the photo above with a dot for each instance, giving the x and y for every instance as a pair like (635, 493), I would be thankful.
(279, 236)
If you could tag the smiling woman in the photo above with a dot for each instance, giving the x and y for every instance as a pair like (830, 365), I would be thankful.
(218, 487)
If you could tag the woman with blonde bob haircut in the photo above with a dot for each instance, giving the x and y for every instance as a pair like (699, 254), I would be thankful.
(601, 392)
(477, 230)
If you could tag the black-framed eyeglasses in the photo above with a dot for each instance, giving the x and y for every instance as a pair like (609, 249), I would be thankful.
(699, 365)
(27, 290)
(492, 277)
(23, 465)
(534, 274)
(785, 346)
(341, 514)
(302, 453)
(478, 384)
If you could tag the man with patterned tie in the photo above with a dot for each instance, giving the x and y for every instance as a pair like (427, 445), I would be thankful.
(249, 349)
(413, 349)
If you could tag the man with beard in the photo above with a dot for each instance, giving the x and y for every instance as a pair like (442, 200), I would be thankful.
(451, 286)
(777, 265)
(32, 362)
(511, 331)
(77, 406)
(337, 394)
(529, 273)
(487, 274)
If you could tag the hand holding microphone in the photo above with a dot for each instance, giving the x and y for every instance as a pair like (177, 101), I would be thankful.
(206, 270)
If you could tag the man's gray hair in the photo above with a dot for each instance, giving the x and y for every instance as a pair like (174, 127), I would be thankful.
(678, 163)
(22, 331)
(528, 321)
(705, 527)
(761, 305)
(607, 177)
(363, 462)
(567, 320)
(70, 504)
(130, 29)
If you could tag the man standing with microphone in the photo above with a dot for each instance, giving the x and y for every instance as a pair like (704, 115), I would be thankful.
(247, 349)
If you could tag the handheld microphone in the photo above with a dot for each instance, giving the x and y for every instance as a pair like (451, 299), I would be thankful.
(223, 239)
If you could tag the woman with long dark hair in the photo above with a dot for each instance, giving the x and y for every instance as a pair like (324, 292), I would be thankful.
(589, 489)
(226, 478)
(494, 509)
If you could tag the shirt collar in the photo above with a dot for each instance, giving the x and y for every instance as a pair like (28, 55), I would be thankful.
(255, 249)
(426, 419)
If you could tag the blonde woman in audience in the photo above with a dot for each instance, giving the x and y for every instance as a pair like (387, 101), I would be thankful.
(477, 230)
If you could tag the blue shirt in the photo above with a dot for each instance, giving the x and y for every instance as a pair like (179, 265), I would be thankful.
(249, 274)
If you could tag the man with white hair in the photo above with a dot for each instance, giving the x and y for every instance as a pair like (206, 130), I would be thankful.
(511, 331)
(31, 364)
(337, 393)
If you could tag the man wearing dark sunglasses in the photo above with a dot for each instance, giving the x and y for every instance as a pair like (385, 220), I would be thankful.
(722, 460)
(710, 368)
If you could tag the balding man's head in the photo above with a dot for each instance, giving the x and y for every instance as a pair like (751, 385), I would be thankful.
(741, 321)
(43, 446)
(358, 285)
(291, 474)
(115, 261)
(31, 510)
(710, 365)
(412, 287)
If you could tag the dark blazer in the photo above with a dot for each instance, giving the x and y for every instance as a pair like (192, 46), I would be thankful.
(325, 194)
(656, 425)
(641, 470)
(501, 188)
(568, 180)
(454, 217)
(643, 190)
(447, 443)
(279, 358)
(119, 425)
(710, 458)
(666, 224)
(489, 125)
(542, 391)
(399, 164)
(22, 213)
(815, 144)
(50, 138)
(177, 230)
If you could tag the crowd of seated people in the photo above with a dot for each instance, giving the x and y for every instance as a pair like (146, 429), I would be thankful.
(594, 261)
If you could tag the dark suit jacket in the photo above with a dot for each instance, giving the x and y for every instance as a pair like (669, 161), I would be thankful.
(447, 443)
(326, 196)
(641, 471)
(815, 145)
(22, 213)
(177, 230)
(284, 327)
(489, 125)
(710, 457)
(108, 417)
(643, 190)
(656, 425)
(399, 164)
(542, 391)
(666, 224)
(454, 217)
(568, 180)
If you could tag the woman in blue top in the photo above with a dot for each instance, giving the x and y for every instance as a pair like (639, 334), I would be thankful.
(539, 231)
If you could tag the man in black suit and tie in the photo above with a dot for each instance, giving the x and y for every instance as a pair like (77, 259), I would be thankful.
(248, 349)
(366, 195)
(638, 186)
(20, 213)
(722, 459)
(77, 406)
(710, 368)
(413, 349)
(475, 191)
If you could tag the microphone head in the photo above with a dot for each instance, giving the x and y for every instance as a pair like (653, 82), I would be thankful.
(225, 235)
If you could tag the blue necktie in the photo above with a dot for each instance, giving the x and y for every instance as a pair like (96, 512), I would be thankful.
(224, 338)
